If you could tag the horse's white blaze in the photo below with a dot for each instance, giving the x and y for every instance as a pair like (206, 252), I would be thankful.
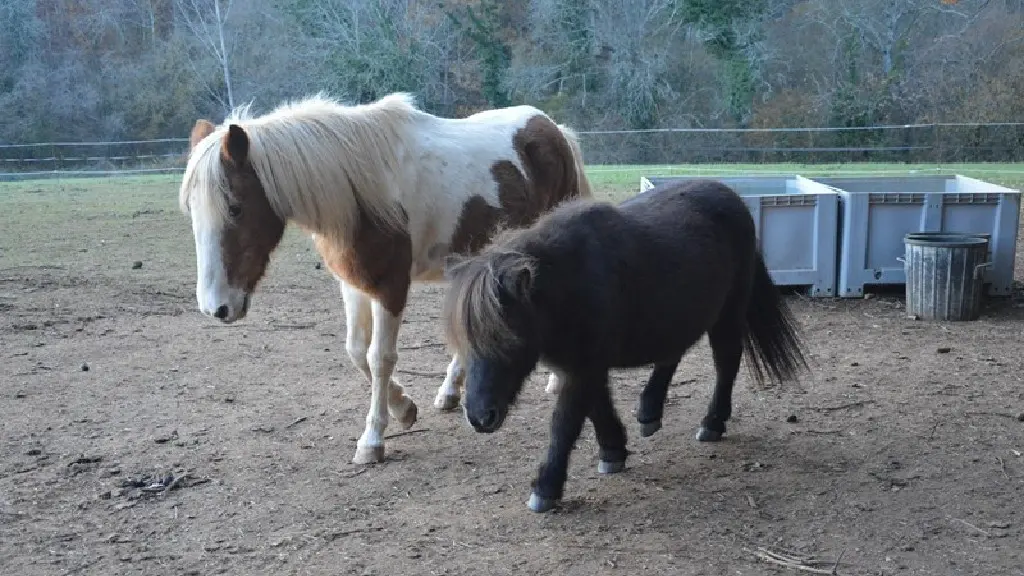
(212, 287)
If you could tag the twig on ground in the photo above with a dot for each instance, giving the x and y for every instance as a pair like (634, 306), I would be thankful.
(796, 562)
(406, 433)
(420, 373)
(969, 525)
(1002, 466)
(421, 346)
(856, 404)
(297, 421)
(984, 413)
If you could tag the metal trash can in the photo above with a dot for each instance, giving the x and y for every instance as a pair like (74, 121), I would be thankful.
(945, 274)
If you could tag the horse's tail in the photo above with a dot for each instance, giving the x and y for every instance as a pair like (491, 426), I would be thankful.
(583, 184)
(772, 343)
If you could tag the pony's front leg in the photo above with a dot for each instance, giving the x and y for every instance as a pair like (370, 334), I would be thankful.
(382, 357)
(359, 331)
(571, 411)
(450, 392)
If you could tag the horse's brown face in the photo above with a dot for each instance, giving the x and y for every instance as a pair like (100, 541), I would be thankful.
(233, 249)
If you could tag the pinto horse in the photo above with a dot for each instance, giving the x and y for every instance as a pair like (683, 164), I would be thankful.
(593, 286)
(386, 191)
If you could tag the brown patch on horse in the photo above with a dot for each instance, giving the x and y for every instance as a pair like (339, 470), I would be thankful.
(476, 225)
(202, 129)
(253, 230)
(550, 177)
(378, 261)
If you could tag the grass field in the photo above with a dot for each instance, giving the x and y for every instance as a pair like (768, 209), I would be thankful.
(900, 452)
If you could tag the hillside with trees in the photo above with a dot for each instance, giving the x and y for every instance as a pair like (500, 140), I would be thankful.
(138, 69)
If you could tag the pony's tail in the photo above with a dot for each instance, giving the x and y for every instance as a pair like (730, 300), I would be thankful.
(772, 344)
(582, 183)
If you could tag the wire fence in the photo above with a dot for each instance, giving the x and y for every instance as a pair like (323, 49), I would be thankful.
(939, 143)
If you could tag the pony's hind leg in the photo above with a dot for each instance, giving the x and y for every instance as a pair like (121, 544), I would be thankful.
(652, 398)
(726, 340)
(450, 392)
(610, 433)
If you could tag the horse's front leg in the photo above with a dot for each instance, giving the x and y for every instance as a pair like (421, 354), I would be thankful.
(382, 357)
(571, 411)
(450, 391)
(555, 382)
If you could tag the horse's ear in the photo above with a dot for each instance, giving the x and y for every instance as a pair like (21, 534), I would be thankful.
(236, 145)
(202, 129)
(518, 279)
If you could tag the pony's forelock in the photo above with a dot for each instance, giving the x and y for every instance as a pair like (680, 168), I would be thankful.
(475, 322)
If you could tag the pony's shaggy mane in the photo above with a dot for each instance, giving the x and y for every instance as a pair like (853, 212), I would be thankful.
(475, 321)
(319, 162)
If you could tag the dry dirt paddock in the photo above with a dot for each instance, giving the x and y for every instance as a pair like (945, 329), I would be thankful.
(137, 437)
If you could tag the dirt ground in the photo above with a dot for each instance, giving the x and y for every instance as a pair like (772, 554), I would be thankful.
(900, 453)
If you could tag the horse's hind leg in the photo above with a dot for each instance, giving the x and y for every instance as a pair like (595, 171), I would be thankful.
(726, 339)
(652, 398)
(611, 434)
(450, 392)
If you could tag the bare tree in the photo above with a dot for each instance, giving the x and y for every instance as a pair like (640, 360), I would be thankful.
(207, 20)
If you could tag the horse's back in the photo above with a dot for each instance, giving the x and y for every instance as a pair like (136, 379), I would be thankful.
(672, 258)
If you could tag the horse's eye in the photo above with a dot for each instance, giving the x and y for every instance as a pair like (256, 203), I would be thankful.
(234, 210)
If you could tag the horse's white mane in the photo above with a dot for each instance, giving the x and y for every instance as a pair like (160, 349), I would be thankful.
(319, 161)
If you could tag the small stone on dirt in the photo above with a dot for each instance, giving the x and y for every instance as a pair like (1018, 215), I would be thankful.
(318, 265)
(1020, 417)
(20, 394)
(137, 265)
(791, 418)
(33, 452)
(1000, 525)
(105, 495)
(854, 364)
(85, 367)
(943, 350)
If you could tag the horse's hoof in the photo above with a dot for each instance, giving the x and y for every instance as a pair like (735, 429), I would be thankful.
(554, 385)
(708, 435)
(409, 418)
(648, 428)
(446, 403)
(540, 504)
(610, 467)
(368, 455)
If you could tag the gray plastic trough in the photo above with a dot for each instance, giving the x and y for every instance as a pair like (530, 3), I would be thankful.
(796, 222)
(879, 211)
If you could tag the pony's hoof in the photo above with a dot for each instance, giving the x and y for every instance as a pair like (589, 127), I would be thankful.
(540, 504)
(409, 418)
(708, 435)
(648, 428)
(610, 467)
(446, 403)
(368, 455)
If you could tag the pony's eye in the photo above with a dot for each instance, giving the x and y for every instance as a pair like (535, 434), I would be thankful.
(234, 210)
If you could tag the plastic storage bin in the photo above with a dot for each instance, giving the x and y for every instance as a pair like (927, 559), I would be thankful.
(796, 221)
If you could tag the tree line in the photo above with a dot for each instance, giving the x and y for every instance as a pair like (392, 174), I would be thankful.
(138, 69)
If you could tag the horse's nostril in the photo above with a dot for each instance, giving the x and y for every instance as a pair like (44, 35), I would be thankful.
(490, 418)
(221, 313)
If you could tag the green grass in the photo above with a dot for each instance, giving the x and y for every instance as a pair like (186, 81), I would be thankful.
(92, 222)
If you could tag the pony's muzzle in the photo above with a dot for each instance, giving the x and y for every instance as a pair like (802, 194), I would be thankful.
(486, 420)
